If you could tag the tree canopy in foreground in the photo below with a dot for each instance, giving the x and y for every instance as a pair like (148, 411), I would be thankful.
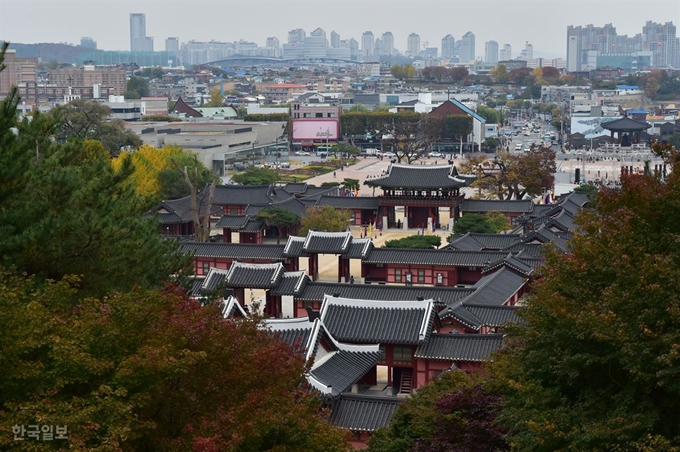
(596, 365)
(149, 370)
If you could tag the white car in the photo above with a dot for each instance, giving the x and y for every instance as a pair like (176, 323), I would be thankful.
(301, 153)
(389, 154)
(436, 155)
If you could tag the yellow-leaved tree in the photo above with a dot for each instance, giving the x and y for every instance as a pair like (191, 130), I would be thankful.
(155, 175)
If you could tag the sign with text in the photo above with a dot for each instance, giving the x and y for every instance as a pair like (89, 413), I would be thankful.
(310, 129)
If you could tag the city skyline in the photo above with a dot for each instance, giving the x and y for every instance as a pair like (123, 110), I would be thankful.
(512, 22)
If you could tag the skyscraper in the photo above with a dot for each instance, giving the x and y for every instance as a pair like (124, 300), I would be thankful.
(661, 40)
(335, 40)
(388, 43)
(273, 47)
(413, 44)
(491, 52)
(367, 43)
(316, 44)
(448, 47)
(138, 42)
(467, 47)
(505, 53)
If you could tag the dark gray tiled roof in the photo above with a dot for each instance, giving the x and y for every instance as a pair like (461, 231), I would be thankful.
(232, 221)
(545, 235)
(179, 210)
(494, 316)
(316, 192)
(419, 178)
(527, 249)
(243, 195)
(565, 219)
(493, 205)
(215, 277)
(315, 291)
(292, 205)
(580, 199)
(294, 189)
(358, 248)
(384, 322)
(460, 347)
(453, 258)
(349, 202)
(254, 276)
(245, 251)
(293, 247)
(344, 368)
(496, 289)
(512, 262)
(294, 332)
(360, 413)
(327, 242)
(292, 283)
(477, 242)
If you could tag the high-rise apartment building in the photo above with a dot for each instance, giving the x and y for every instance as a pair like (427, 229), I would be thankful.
(505, 53)
(661, 40)
(388, 43)
(378, 48)
(413, 44)
(335, 40)
(467, 47)
(588, 44)
(272, 47)
(448, 47)
(88, 43)
(367, 43)
(491, 52)
(138, 39)
(172, 45)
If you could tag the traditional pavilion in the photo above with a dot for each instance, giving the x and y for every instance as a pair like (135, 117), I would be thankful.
(627, 131)
(422, 191)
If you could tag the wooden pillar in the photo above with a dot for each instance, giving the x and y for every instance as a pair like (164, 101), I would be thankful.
(240, 294)
(341, 268)
(226, 235)
(611, 136)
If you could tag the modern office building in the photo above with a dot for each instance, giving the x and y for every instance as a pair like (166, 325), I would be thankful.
(367, 44)
(491, 52)
(139, 42)
(413, 44)
(467, 47)
(297, 35)
(316, 44)
(448, 47)
(388, 43)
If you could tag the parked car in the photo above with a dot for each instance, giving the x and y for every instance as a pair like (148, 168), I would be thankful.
(436, 155)
(301, 153)
(285, 165)
(389, 154)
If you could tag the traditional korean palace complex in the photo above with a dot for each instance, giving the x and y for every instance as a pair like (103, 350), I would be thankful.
(409, 315)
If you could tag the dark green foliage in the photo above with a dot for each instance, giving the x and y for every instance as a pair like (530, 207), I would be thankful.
(279, 218)
(269, 117)
(350, 184)
(491, 223)
(89, 120)
(491, 115)
(455, 412)
(415, 241)
(73, 214)
(137, 87)
(596, 365)
(256, 176)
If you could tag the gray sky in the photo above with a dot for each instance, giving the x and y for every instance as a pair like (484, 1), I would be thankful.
(541, 22)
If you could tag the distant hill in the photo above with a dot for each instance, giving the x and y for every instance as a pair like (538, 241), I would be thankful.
(46, 52)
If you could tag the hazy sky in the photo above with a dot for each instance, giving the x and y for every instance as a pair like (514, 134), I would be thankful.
(541, 22)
